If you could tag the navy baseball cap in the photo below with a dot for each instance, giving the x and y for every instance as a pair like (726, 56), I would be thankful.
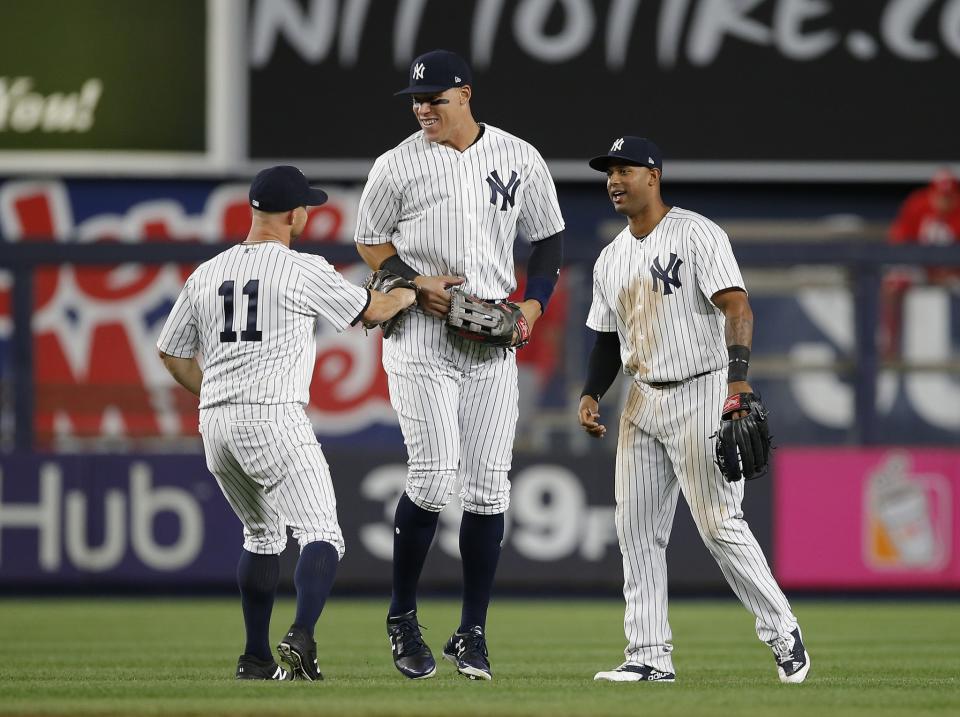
(436, 71)
(638, 151)
(282, 188)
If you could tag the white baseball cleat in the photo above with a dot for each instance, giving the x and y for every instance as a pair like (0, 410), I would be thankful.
(632, 672)
(793, 661)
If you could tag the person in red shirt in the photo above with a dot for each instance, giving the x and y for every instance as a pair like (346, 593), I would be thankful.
(929, 216)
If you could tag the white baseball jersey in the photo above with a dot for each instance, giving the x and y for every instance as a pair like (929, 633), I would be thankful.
(249, 315)
(250, 312)
(655, 293)
(457, 213)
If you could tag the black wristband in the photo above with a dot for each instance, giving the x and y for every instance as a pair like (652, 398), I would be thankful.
(738, 364)
(398, 266)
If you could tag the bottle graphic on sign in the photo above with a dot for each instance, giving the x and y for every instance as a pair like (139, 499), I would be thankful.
(906, 516)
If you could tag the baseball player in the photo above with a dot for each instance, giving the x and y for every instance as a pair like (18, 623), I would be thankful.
(250, 312)
(443, 209)
(669, 306)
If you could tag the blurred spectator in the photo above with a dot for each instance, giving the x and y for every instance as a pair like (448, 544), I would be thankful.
(929, 216)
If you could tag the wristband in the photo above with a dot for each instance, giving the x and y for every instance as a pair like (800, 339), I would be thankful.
(395, 265)
(738, 364)
(539, 288)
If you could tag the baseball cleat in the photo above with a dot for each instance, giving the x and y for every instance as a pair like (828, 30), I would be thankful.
(468, 651)
(299, 651)
(253, 668)
(411, 656)
(793, 662)
(632, 672)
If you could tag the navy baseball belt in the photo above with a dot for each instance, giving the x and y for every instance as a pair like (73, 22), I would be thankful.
(672, 384)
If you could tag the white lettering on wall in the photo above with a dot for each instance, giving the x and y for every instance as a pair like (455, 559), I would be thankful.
(798, 30)
(22, 109)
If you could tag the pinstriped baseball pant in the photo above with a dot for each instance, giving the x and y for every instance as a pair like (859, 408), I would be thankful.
(457, 402)
(270, 468)
(665, 447)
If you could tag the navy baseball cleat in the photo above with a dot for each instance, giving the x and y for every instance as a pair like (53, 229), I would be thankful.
(299, 651)
(793, 662)
(632, 672)
(468, 651)
(410, 653)
(253, 668)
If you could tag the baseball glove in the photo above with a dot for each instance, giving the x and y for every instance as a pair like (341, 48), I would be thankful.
(385, 282)
(487, 322)
(743, 444)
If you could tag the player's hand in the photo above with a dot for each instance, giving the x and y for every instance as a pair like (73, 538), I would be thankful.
(406, 297)
(531, 311)
(738, 387)
(434, 297)
(590, 417)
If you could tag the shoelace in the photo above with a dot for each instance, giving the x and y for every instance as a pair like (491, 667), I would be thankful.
(472, 640)
(409, 638)
(783, 648)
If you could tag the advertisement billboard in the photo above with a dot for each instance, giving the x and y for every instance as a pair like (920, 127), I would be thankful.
(867, 518)
(161, 521)
(105, 86)
(781, 89)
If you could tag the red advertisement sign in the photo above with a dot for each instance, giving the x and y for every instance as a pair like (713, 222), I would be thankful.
(867, 518)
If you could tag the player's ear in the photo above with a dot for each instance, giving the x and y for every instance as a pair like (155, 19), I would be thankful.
(466, 92)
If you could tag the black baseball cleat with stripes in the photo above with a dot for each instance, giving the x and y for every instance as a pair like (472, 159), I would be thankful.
(299, 651)
(793, 661)
(468, 651)
(411, 656)
(632, 672)
(253, 668)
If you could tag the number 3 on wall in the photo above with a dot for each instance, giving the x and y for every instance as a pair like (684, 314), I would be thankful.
(251, 289)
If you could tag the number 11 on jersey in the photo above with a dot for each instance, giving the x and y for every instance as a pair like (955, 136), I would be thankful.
(252, 291)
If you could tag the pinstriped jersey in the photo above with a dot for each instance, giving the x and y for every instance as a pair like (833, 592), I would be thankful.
(458, 213)
(655, 292)
(251, 314)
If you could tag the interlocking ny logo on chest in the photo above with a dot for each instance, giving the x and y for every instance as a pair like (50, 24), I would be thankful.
(507, 192)
(669, 275)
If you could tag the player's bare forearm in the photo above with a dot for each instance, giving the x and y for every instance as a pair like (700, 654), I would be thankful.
(375, 254)
(738, 314)
(738, 330)
(531, 310)
(385, 306)
(186, 372)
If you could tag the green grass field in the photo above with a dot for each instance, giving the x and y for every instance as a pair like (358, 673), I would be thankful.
(176, 657)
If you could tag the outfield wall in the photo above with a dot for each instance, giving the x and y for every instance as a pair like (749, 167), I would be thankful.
(829, 519)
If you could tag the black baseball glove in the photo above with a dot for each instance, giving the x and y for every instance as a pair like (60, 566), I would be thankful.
(743, 444)
(487, 322)
(385, 282)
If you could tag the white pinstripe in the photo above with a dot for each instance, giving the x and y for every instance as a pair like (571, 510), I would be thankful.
(457, 401)
(666, 337)
(258, 441)
(665, 443)
(458, 443)
(271, 470)
(294, 291)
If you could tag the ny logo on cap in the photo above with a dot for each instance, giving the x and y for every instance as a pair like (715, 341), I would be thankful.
(418, 70)
(617, 145)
